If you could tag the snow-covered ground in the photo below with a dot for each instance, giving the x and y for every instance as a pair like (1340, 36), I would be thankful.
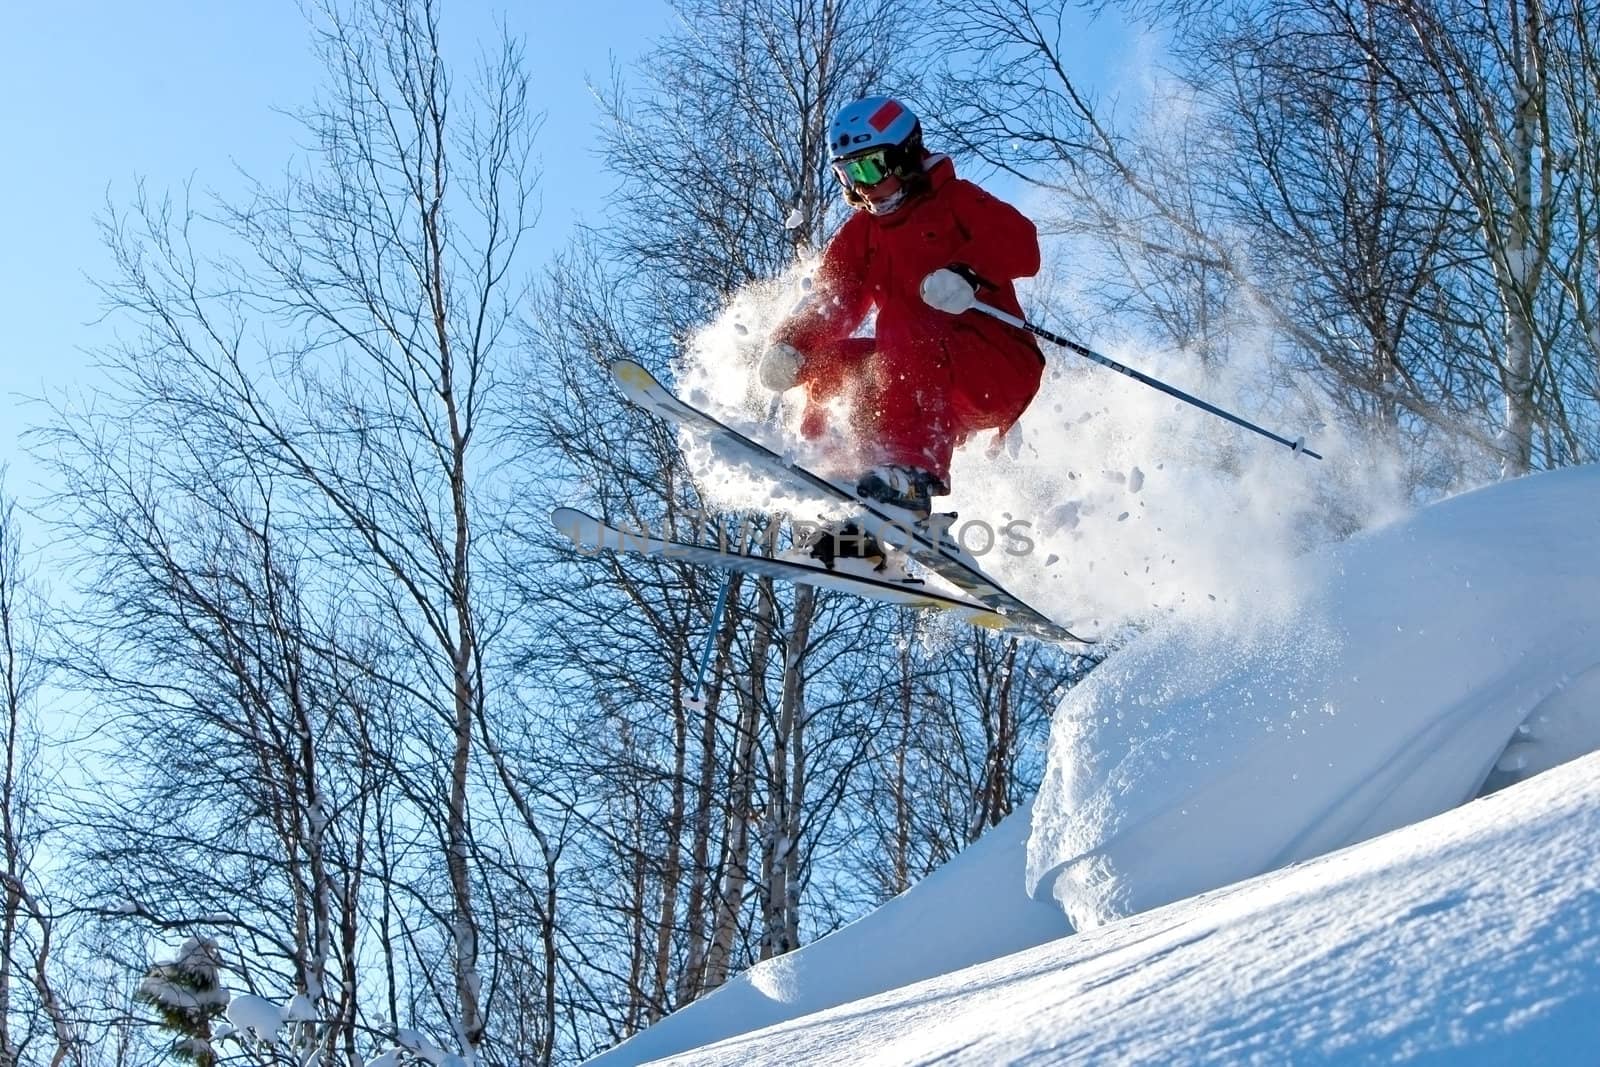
(1385, 694)
(1453, 650)
(1473, 938)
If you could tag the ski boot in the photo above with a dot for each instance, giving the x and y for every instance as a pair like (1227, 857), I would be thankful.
(905, 489)
(834, 541)
(848, 547)
(910, 489)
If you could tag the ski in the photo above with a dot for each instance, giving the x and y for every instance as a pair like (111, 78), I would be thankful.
(591, 535)
(642, 389)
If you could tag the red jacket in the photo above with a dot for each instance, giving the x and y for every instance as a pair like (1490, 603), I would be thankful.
(936, 377)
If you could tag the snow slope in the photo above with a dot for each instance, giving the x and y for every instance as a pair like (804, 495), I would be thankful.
(1193, 759)
(1472, 938)
(883, 950)
(1410, 660)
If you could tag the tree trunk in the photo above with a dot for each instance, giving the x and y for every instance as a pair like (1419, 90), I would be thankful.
(741, 801)
(702, 878)
(672, 846)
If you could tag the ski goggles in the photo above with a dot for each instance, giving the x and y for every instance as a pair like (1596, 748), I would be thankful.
(867, 169)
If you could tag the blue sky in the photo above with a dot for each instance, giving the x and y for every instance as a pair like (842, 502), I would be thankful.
(99, 94)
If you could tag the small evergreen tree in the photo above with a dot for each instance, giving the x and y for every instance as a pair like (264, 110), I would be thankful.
(188, 994)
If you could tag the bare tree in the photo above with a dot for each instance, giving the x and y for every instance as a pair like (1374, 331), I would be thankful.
(287, 491)
(1389, 187)
(1476, 81)
(35, 1025)
(960, 748)
(1574, 79)
(235, 797)
(1352, 224)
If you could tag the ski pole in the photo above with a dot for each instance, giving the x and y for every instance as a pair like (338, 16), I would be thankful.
(711, 638)
(1297, 446)
(711, 635)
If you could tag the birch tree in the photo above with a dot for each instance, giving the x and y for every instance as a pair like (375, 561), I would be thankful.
(288, 486)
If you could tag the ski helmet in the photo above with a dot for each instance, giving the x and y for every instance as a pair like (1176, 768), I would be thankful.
(872, 139)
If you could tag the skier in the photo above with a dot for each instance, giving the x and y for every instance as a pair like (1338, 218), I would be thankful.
(922, 246)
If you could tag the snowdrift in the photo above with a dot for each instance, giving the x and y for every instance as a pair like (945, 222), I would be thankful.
(1473, 938)
(1388, 694)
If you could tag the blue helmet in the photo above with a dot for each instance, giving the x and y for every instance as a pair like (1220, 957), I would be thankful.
(873, 123)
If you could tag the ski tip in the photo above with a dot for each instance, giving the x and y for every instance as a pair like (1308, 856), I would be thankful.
(576, 526)
(630, 373)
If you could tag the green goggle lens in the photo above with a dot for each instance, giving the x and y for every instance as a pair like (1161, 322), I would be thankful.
(864, 170)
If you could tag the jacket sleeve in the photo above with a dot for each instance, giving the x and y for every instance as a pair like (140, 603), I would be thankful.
(1001, 243)
(832, 311)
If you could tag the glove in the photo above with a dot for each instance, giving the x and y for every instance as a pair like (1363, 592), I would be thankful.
(948, 291)
(780, 367)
